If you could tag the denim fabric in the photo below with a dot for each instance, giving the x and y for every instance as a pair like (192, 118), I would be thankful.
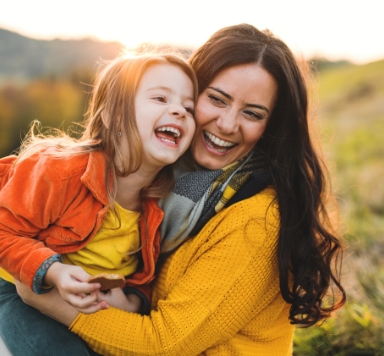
(26, 331)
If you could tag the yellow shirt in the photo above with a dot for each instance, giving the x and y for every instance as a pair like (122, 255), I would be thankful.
(6, 276)
(110, 250)
(218, 294)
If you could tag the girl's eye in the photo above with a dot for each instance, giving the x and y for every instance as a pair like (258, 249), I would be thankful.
(162, 99)
(216, 100)
(253, 115)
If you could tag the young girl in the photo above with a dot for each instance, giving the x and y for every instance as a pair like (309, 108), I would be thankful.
(80, 201)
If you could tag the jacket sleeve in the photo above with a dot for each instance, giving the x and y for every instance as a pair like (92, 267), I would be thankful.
(231, 275)
(29, 203)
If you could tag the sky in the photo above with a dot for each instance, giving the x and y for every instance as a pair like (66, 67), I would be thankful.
(335, 29)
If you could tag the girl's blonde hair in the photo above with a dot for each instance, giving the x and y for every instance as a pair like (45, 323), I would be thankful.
(113, 96)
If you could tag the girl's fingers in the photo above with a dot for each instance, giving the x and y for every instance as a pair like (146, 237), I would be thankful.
(95, 307)
(80, 288)
(80, 301)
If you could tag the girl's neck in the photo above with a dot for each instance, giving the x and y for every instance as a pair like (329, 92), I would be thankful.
(129, 188)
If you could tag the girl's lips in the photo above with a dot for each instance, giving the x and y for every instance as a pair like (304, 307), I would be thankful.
(171, 134)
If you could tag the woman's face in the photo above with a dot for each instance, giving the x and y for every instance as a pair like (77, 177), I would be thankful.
(231, 114)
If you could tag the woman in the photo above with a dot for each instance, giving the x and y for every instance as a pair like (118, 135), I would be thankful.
(262, 264)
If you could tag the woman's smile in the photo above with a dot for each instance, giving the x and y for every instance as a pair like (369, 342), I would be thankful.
(215, 143)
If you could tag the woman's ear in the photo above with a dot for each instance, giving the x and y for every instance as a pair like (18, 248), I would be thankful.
(105, 118)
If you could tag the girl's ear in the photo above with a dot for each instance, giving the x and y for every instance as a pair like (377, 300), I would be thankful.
(105, 118)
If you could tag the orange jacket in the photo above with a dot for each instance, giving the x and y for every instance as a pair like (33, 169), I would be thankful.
(51, 205)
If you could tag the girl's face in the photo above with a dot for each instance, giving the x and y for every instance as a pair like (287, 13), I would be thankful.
(231, 114)
(164, 107)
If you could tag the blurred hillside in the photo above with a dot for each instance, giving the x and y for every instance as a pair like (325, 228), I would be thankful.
(23, 58)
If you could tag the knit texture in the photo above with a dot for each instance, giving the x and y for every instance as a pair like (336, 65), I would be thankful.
(218, 294)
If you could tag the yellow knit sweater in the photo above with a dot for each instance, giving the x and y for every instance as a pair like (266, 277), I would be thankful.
(218, 294)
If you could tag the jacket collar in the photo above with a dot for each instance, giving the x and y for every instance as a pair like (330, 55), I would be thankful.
(94, 177)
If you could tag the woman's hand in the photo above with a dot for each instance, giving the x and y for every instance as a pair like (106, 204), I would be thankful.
(72, 284)
(50, 304)
(116, 298)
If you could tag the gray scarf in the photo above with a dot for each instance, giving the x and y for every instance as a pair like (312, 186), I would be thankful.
(200, 193)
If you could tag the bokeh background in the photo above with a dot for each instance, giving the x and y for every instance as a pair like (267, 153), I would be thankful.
(50, 51)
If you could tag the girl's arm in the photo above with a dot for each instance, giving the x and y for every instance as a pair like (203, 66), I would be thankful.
(30, 200)
(226, 276)
(41, 212)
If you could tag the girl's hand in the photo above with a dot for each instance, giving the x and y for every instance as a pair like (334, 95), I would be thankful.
(72, 284)
(116, 298)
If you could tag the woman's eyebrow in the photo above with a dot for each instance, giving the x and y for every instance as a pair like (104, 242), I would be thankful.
(261, 107)
(258, 106)
(222, 92)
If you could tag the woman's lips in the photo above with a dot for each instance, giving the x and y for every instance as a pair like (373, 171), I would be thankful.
(216, 143)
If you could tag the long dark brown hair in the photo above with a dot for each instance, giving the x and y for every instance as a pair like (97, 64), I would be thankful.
(309, 250)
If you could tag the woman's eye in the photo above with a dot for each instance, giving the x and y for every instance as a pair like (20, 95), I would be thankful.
(189, 110)
(253, 115)
(216, 100)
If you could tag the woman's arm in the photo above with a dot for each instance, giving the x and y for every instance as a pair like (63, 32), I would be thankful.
(212, 287)
(50, 304)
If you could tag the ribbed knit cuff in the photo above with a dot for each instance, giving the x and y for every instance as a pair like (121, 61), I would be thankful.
(38, 285)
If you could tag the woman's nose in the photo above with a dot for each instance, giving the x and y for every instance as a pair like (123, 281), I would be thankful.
(228, 122)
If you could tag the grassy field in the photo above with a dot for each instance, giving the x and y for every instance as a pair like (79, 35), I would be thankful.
(351, 117)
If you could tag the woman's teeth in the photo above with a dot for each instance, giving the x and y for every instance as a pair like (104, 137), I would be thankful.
(220, 145)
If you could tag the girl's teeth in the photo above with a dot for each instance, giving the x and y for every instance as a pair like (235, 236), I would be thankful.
(170, 129)
(169, 141)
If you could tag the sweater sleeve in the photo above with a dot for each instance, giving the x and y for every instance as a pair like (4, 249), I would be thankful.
(223, 278)
(29, 202)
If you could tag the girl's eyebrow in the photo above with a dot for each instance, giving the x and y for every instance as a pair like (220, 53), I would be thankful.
(222, 92)
(169, 90)
(162, 87)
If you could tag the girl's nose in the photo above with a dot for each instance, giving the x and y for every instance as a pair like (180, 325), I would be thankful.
(177, 110)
